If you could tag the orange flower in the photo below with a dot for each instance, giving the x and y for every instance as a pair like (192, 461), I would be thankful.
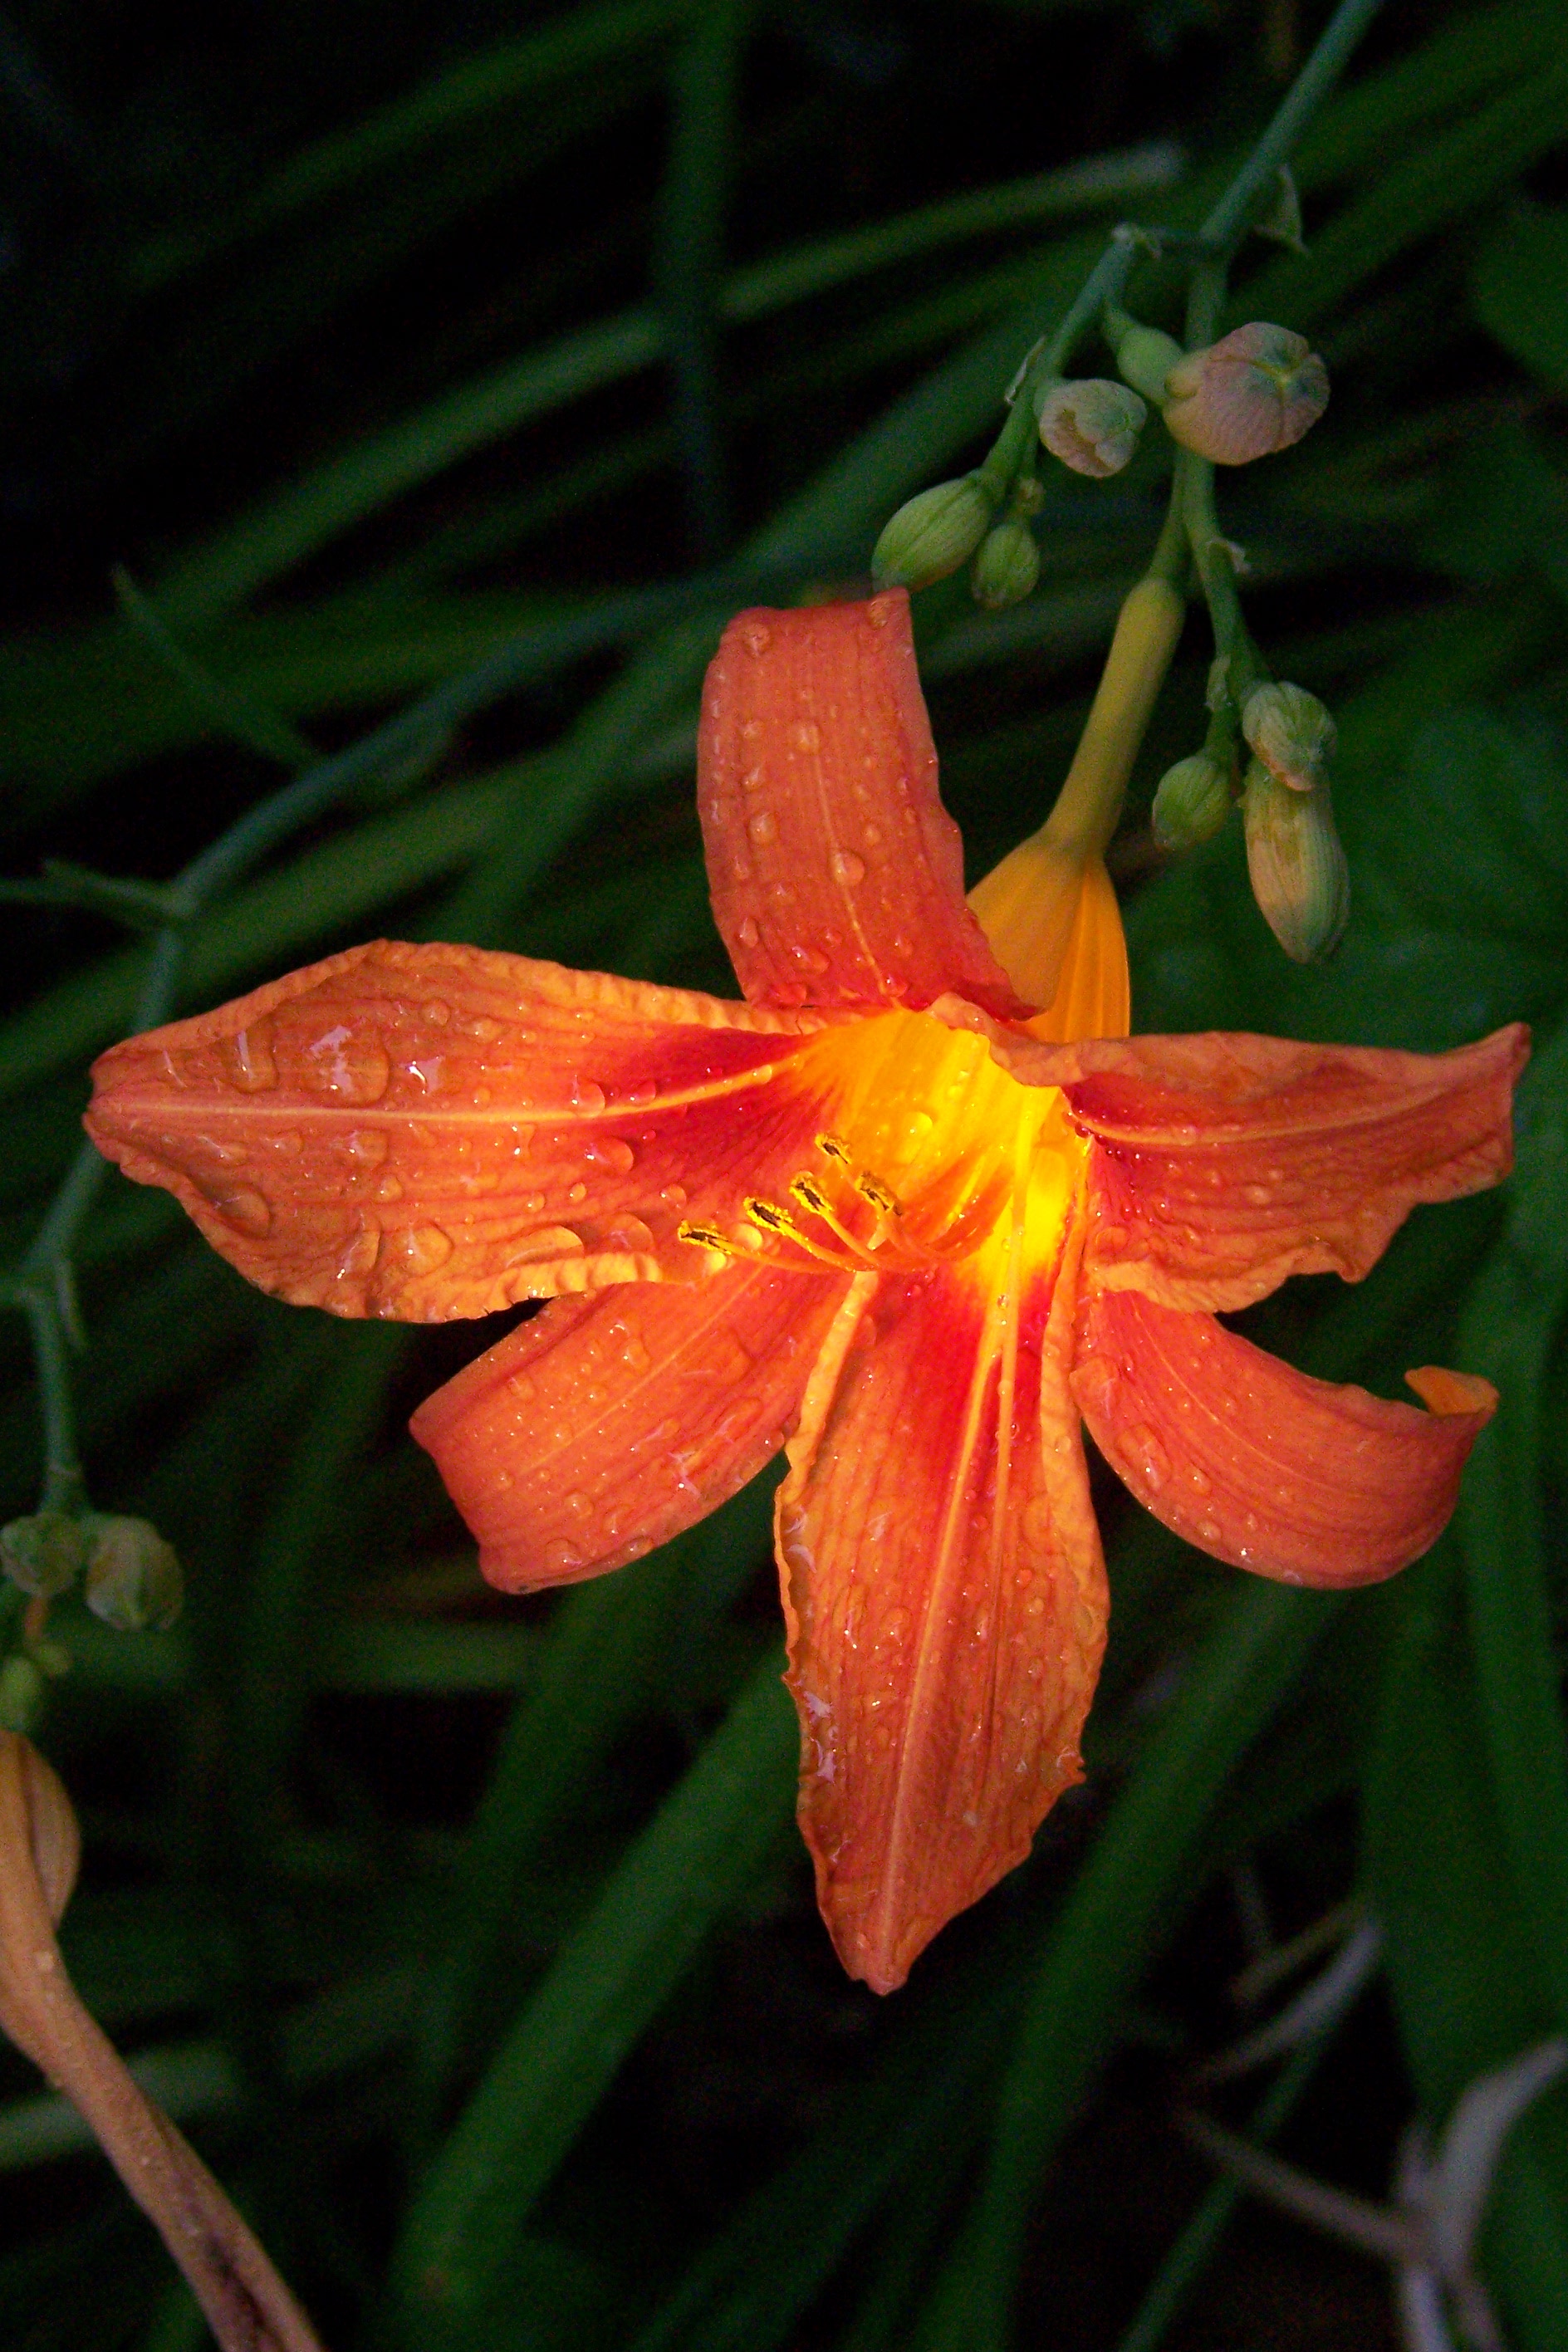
(879, 1212)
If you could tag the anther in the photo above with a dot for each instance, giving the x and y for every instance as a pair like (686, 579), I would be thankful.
(708, 1237)
(833, 1147)
(872, 1189)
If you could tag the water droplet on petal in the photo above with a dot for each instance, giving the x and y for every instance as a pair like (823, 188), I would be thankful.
(749, 934)
(675, 1195)
(359, 1253)
(389, 1189)
(633, 1354)
(756, 637)
(247, 1059)
(805, 735)
(436, 1011)
(580, 1506)
(487, 1032)
(613, 1152)
(244, 1208)
(421, 1249)
(368, 1146)
(578, 1194)
(587, 1096)
(762, 828)
(1208, 1531)
(1144, 1455)
(350, 1064)
(1199, 1484)
(848, 868)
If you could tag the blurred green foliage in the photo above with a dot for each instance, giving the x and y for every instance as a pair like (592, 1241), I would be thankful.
(441, 382)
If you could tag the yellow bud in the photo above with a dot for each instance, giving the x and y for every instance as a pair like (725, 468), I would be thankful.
(133, 1579)
(1192, 802)
(1292, 733)
(43, 1553)
(1299, 877)
(1092, 425)
(931, 535)
(1008, 565)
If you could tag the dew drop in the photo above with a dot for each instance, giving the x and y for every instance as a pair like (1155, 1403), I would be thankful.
(848, 868)
(749, 934)
(436, 1011)
(247, 1059)
(244, 1208)
(532, 1202)
(421, 1248)
(559, 1559)
(754, 779)
(487, 1032)
(741, 867)
(1141, 1449)
(633, 1354)
(580, 1506)
(389, 1189)
(1208, 1531)
(871, 834)
(359, 1253)
(611, 1152)
(350, 1064)
(579, 1193)
(368, 1146)
(806, 735)
(1197, 1480)
(763, 826)
(675, 1195)
(756, 637)
(1258, 1194)
(642, 1094)
(587, 1096)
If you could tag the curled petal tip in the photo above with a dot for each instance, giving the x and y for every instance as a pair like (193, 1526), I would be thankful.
(1446, 1393)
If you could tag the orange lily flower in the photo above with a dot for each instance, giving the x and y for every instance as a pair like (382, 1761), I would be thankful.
(884, 1213)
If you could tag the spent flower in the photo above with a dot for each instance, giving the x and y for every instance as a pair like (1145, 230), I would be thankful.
(1092, 424)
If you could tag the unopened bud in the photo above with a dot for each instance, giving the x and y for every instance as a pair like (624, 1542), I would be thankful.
(932, 534)
(1092, 424)
(1008, 565)
(43, 1553)
(1146, 357)
(1299, 878)
(1292, 733)
(1192, 802)
(1255, 391)
(134, 1579)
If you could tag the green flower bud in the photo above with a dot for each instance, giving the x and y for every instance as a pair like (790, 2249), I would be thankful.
(932, 534)
(1092, 425)
(133, 1579)
(1008, 565)
(1255, 391)
(1192, 802)
(43, 1554)
(1299, 877)
(1145, 357)
(23, 1690)
(1292, 733)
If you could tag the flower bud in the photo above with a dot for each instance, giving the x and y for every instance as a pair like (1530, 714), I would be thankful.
(44, 1553)
(1146, 357)
(1008, 565)
(932, 534)
(133, 1579)
(1255, 391)
(1192, 802)
(1292, 733)
(1299, 878)
(1092, 424)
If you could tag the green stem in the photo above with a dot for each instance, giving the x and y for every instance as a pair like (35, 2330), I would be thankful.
(64, 1489)
(1231, 217)
(1215, 567)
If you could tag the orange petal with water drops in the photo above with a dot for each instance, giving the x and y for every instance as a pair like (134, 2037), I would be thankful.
(1224, 1163)
(425, 1132)
(1249, 1460)
(836, 874)
(945, 1600)
(606, 1425)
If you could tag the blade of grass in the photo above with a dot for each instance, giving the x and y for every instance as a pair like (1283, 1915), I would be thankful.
(699, 1854)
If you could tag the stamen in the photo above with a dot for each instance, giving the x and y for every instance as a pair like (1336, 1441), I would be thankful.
(833, 1147)
(710, 1237)
(811, 1196)
(881, 1197)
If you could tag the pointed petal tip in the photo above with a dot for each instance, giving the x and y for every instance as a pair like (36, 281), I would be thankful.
(1447, 1393)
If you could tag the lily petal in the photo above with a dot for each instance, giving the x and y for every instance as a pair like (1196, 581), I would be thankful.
(1225, 1162)
(946, 1597)
(836, 874)
(1258, 1465)
(607, 1424)
(425, 1132)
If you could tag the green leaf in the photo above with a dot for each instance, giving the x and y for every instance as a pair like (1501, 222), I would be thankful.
(1520, 288)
